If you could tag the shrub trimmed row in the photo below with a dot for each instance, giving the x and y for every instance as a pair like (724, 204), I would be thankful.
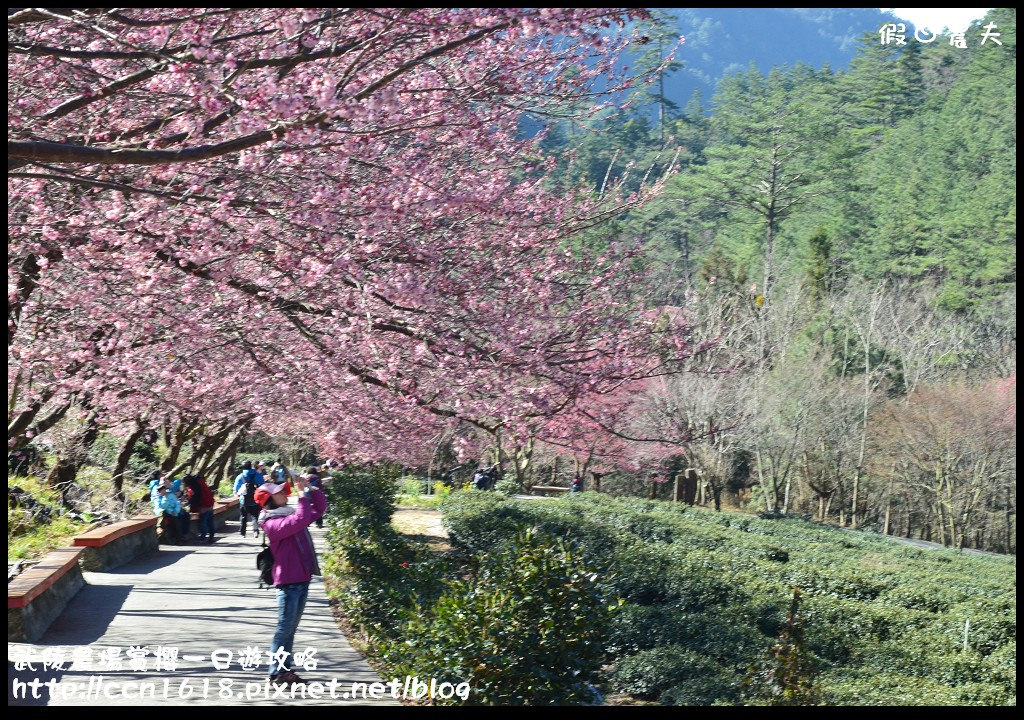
(706, 593)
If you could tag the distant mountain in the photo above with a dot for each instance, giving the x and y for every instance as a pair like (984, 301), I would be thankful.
(720, 41)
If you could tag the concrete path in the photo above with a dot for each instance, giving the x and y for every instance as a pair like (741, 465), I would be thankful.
(197, 599)
(923, 544)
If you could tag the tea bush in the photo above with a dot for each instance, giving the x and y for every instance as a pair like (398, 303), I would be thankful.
(365, 498)
(716, 586)
(677, 675)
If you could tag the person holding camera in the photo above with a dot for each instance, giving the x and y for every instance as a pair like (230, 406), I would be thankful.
(295, 562)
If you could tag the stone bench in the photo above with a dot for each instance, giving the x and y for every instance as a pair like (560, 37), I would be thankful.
(546, 489)
(37, 596)
(108, 546)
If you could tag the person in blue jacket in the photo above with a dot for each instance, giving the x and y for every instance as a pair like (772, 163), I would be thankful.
(168, 509)
(246, 484)
(248, 473)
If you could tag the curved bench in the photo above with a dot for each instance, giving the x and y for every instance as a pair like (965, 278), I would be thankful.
(108, 546)
(37, 596)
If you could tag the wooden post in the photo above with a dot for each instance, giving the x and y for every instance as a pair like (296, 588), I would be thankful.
(597, 481)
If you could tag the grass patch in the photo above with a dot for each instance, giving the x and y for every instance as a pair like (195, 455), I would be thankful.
(33, 532)
(40, 539)
(420, 502)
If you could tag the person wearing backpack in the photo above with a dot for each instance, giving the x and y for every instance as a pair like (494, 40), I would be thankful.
(246, 485)
(295, 562)
(279, 473)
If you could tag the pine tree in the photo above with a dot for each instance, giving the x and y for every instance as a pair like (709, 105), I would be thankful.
(660, 36)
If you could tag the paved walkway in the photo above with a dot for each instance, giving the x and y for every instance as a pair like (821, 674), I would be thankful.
(198, 599)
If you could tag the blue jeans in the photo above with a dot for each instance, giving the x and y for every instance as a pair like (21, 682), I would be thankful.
(206, 524)
(291, 601)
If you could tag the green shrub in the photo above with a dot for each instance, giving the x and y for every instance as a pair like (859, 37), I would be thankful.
(642, 627)
(508, 485)
(695, 588)
(528, 629)
(380, 576)
(363, 497)
(411, 485)
(786, 675)
(888, 688)
(676, 675)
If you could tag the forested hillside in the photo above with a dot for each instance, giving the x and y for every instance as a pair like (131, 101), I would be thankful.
(848, 240)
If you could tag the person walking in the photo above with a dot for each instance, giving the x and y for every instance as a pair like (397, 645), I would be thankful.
(279, 473)
(201, 502)
(287, 529)
(246, 485)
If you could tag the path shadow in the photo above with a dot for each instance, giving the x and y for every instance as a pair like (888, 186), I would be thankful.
(153, 560)
(87, 616)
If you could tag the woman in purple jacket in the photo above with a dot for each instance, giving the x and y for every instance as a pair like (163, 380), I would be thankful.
(294, 562)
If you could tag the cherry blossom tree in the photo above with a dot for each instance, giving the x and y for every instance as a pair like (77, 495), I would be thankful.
(317, 219)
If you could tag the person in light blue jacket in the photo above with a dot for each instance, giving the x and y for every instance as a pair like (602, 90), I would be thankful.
(168, 509)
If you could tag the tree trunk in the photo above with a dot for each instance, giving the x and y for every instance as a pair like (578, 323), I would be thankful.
(760, 478)
(225, 461)
(62, 475)
(17, 427)
(856, 489)
(207, 456)
(888, 499)
(1008, 521)
(124, 457)
(175, 443)
(785, 497)
(42, 426)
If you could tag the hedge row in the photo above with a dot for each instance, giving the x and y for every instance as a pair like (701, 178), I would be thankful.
(706, 593)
